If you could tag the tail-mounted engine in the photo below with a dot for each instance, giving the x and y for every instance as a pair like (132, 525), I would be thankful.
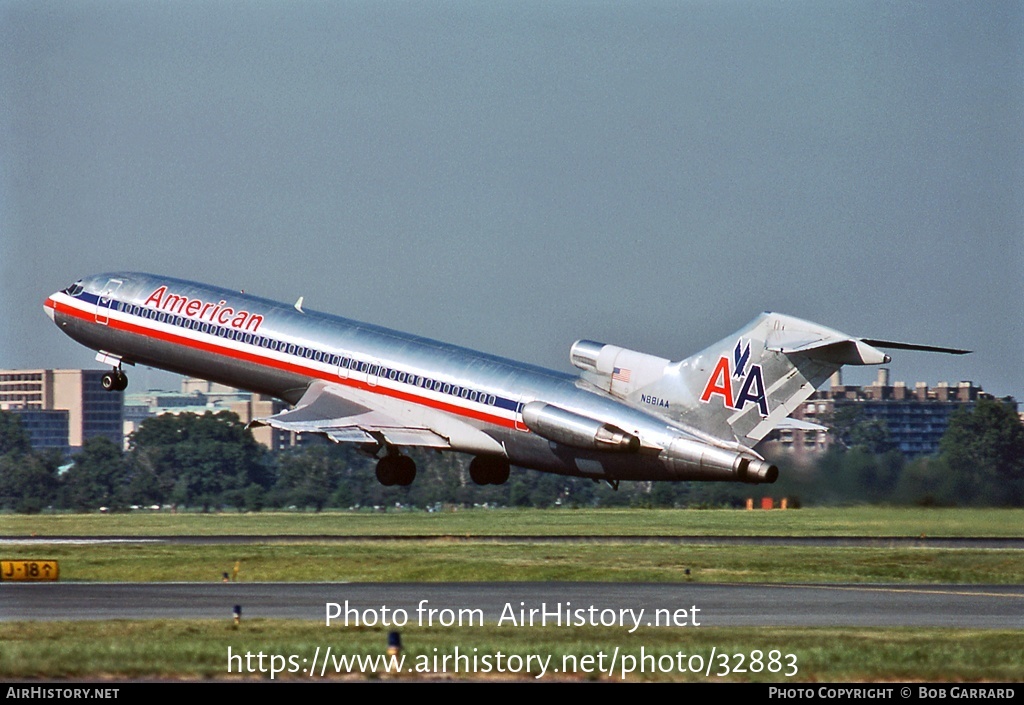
(616, 370)
(688, 459)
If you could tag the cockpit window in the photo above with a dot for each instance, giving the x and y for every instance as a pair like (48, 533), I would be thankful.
(75, 289)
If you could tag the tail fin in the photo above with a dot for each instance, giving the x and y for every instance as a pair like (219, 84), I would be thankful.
(738, 389)
(745, 385)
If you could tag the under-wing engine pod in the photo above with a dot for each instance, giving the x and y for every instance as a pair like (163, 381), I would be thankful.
(572, 429)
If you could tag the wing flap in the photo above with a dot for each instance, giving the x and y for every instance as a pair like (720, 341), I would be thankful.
(317, 407)
(344, 434)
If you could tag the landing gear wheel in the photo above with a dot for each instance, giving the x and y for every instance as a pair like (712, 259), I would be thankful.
(489, 470)
(406, 470)
(386, 471)
(114, 381)
(396, 470)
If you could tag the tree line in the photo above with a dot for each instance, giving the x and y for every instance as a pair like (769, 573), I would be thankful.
(212, 462)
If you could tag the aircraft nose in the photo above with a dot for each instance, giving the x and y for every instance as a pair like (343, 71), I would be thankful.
(49, 305)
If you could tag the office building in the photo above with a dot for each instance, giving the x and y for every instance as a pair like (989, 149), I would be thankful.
(916, 418)
(50, 400)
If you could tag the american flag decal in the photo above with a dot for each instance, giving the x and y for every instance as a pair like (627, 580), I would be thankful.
(621, 374)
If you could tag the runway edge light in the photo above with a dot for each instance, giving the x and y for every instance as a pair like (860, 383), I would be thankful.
(394, 643)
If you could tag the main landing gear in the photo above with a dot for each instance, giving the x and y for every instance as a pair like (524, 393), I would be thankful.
(396, 469)
(115, 380)
(489, 470)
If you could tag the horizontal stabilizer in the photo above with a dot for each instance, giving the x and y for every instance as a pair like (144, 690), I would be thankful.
(827, 345)
(791, 424)
(913, 346)
(835, 350)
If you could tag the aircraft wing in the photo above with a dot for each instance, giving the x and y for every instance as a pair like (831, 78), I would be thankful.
(347, 415)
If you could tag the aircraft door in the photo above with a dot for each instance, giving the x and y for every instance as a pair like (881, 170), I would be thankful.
(371, 370)
(519, 423)
(104, 300)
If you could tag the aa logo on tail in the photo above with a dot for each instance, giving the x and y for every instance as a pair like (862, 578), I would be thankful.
(750, 383)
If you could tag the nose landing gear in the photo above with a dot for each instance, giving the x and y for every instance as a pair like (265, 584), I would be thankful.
(115, 380)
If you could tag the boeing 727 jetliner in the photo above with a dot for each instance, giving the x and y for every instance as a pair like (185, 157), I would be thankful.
(626, 416)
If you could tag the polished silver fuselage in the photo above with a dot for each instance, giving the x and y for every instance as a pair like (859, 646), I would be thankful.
(272, 348)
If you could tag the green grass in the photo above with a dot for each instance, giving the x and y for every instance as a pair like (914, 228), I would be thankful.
(199, 650)
(848, 521)
(438, 560)
(433, 549)
(196, 649)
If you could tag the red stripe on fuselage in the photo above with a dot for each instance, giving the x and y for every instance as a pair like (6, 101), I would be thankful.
(278, 364)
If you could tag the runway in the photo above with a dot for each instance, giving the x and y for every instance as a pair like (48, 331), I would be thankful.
(705, 605)
(805, 541)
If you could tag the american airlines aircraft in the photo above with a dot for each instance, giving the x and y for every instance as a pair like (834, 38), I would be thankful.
(626, 416)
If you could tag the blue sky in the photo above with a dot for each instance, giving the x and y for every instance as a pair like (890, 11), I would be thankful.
(512, 176)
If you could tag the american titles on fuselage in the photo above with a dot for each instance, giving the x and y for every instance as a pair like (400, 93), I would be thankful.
(164, 300)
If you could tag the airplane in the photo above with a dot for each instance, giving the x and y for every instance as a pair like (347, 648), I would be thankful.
(626, 415)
